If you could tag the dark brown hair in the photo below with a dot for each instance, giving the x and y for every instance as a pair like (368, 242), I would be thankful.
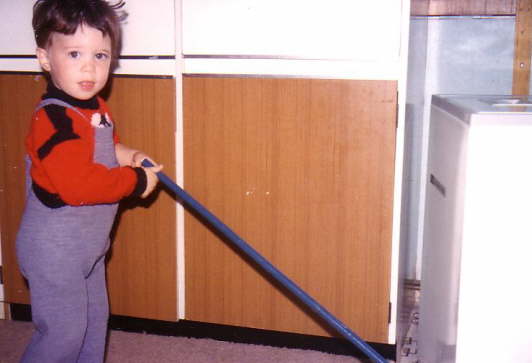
(65, 16)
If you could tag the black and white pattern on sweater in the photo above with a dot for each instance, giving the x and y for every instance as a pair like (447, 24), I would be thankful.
(100, 121)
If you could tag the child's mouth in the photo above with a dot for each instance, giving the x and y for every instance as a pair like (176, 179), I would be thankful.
(86, 85)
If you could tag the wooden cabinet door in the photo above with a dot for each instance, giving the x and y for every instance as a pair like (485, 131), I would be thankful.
(142, 266)
(302, 170)
(142, 262)
(19, 94)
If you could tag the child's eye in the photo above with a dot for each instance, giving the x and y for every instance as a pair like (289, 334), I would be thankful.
(102, 56)
(73, 54)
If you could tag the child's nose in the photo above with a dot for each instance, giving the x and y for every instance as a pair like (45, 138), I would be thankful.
(88, 65)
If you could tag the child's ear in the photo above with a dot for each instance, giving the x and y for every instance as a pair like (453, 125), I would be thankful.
(44, 61)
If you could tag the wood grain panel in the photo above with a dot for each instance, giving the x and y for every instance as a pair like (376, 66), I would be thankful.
(302, 170)
(19, 95)
(462, 7)
(523, 48)
(142, 267)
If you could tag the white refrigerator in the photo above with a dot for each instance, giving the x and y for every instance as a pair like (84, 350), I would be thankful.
(476, 278)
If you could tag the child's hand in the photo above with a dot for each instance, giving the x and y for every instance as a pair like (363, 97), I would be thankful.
(151, 179)
(138, 157)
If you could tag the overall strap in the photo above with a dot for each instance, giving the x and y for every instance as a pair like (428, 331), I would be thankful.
(56, 101)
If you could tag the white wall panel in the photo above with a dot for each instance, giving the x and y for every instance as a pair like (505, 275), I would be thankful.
(343, 69)
(16, 33)
(337, 29)
(149, 28)
(159, 67)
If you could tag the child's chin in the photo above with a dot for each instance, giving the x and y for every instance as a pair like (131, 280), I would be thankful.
(83, 95)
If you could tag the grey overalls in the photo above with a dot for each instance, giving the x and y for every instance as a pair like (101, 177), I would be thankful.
(61, 252)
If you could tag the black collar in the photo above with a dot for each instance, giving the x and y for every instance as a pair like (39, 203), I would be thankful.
(54, 92)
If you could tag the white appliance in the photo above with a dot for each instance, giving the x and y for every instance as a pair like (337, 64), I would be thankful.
(476, 279)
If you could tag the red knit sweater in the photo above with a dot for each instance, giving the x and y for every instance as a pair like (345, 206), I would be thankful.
(60, 144)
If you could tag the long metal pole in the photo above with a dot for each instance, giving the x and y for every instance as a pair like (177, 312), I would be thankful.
(306, 299)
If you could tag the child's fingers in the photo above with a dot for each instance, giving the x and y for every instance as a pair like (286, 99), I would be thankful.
(156, 168)
(145, 157)
(151, 179)
(139, 157)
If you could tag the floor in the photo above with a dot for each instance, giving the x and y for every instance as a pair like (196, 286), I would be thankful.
(126, 347)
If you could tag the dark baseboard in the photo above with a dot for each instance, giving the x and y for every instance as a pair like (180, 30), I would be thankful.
(20, 312)
(194, 329)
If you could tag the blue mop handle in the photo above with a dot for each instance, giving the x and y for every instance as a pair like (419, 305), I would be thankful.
(332, 321)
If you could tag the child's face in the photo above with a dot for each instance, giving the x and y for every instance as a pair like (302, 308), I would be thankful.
(79, 63)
